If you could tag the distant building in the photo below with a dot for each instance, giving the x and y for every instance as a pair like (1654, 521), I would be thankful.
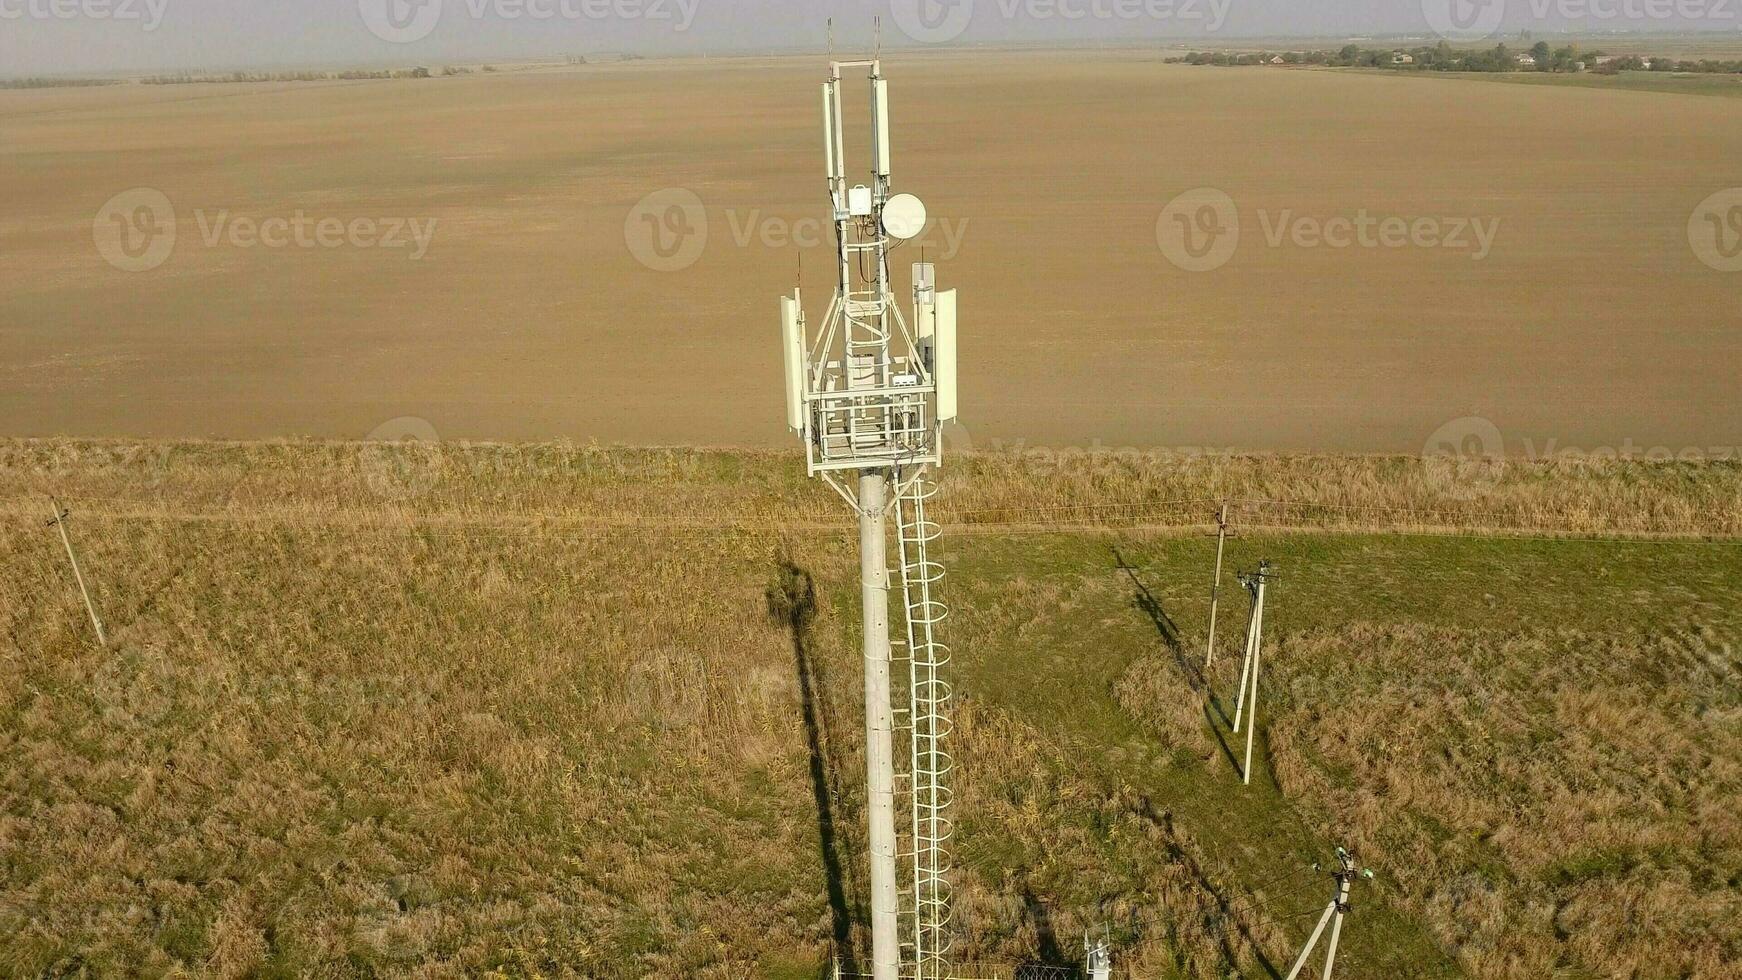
(1277, 60)
(1527, 60)
(1399, 58)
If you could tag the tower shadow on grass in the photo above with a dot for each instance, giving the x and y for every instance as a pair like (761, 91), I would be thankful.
(792, 601)
(1052, 956)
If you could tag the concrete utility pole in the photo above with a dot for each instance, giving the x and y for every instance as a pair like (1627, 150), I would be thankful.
(1344, 876)
(879, 725)
(60, 520)
(1216, 584)
(1248, 697)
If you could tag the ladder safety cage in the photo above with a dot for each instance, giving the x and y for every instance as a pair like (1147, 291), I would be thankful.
(929, 701)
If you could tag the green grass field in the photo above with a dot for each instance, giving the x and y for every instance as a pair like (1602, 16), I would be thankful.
(572, 711)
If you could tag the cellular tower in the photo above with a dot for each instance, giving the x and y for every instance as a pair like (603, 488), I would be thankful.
(868, 393)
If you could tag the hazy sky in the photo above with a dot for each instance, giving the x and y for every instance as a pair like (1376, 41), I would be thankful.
(70, 36)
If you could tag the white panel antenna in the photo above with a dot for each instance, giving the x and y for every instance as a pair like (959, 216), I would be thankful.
(925, 280)
(830, 151)
(945, 371)
(792, 336)
(925, 313)
(880, 118)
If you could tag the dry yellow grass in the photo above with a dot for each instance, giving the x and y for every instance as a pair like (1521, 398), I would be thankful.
(590, 486)
(1600, 770)
(536, 714)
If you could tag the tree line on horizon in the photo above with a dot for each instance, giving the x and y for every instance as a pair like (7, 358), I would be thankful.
(1543, 57)
(57, 82)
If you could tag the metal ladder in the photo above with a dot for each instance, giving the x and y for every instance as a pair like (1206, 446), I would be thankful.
(928, 717)
(865, 313)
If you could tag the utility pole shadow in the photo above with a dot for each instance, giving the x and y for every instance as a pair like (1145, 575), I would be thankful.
(1224, 904)
(792, 601)
(1164, 624)
(1216, 729)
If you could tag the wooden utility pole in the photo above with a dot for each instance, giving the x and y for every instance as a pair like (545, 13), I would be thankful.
(60, 520)
(1216, 583)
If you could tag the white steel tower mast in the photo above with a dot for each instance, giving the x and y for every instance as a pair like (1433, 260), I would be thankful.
(868, 393)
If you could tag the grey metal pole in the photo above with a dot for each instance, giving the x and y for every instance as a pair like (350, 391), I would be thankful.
(879, 727)
(1257, 659)
(1216, 584)
(60, 520)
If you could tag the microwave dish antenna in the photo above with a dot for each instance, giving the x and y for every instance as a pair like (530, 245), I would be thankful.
(904, 217)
